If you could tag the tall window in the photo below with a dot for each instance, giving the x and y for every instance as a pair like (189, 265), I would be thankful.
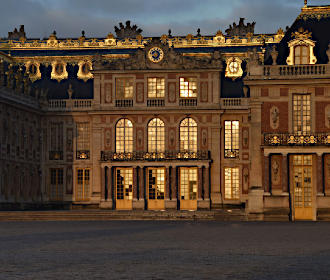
(83, 184)
(56, 141)
(188, 87)
(232, 183)
(156, 87)
(188, 183)
(301, 55)
(124, 88)
(188, 135)
(302, 114)
(231, 139)
(156, 135)
(124, 136)
(83, 140)
(56, 184)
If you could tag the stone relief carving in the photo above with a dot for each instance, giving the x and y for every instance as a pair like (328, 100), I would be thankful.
(140, 138)
(245, 179)
(171, 59)
(139, 92)
(172, 138)
(204, 138)
(171, 96)
(274, 117)
(108, 93)
(245, 138)
(275, 172)
(204, 91)
(327, 116)
(241, 29)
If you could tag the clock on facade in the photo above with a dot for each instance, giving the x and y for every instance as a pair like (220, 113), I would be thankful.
(156, 54)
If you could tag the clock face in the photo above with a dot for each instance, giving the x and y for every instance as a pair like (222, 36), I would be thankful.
(233, 67)
(156, 54)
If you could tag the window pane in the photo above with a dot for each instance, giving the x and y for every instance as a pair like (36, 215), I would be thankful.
(124, 136)
(231, 139)
(124, 88)
(188, 87)
(188, 135)
(232, 183)
(156, 87)
(156, 135)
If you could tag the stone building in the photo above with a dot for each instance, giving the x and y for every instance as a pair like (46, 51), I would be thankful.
(236, 120)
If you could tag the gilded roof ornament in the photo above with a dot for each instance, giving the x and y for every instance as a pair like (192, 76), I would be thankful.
(302, 34)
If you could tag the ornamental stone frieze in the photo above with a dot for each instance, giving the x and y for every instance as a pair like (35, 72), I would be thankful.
(158, 55)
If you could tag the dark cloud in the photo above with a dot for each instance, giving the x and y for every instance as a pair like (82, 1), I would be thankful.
(98, 17)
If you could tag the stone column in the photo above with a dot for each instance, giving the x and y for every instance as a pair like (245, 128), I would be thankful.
(200, 183)
(285, 179)
(320, 175)
(266, 174)
(174, 183)
(110, 183)
(103, 182)
(141, 183)
(135, 185)
(167, 183)
(207, 183)
(138, 201)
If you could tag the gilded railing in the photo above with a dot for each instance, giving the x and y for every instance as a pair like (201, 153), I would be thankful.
(287, 139)
(155, 156)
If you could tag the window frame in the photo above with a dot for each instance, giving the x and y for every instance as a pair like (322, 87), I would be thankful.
(192, 144)
(123, 87)
(233, 195)
(189, 88)
(159, 92)
(127, 145)
(156, 145)
(233, 151)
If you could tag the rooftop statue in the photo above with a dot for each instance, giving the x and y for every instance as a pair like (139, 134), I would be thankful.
(17, 35)
(127, 31)
(241, 29)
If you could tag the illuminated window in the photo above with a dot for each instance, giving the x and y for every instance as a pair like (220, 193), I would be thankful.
(56, 184)
(156, 183)
(188, 87)
(156, 135)
(83, 184)
(302, 114)
(231, 139)
(232, 183)
(124, 136)
(124, 183)
(83, 140)
(188, 135)
(124, 88)
(156, 87)
(188, 183)
(301, 55)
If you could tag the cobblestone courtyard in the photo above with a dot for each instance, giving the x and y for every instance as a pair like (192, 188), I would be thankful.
(164, 250)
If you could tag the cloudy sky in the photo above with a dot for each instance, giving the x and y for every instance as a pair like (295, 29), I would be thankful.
(155, 17)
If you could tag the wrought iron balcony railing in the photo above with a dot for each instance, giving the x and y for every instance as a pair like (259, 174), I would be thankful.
(287, 139)
(155, 156)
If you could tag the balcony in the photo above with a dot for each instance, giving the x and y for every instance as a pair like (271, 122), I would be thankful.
(124, 103)
(70, 104)
(289, 71)
(234, 103)
(286, 139)
(155, 102)
(188, 102)
(155, 156)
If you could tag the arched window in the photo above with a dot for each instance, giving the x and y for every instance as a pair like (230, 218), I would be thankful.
(124, 136)
(188, 135)
(301, 55)
(156, 136)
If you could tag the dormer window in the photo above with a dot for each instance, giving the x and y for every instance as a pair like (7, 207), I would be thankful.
(301, 48)
(301, 55)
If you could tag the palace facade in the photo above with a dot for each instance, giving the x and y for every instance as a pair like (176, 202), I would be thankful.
(235, 120)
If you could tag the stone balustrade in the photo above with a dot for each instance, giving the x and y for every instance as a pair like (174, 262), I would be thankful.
(70, 104)
(234, 103)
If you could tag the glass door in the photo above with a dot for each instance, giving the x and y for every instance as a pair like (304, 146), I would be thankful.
(156, 188)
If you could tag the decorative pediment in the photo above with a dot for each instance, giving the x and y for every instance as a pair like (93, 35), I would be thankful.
(158, 55)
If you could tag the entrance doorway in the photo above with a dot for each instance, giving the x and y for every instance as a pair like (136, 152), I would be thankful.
(302, 187)
(124, 188)
(83, 184)
(156, 188)
(188, 188)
